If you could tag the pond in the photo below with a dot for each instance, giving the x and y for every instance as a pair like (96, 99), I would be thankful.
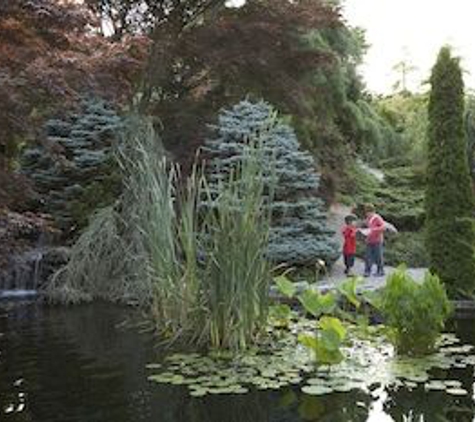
(81, 364)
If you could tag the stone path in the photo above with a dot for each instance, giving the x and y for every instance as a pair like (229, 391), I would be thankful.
(336, 275)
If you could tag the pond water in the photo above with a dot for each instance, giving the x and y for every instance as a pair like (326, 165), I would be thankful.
(81, 365)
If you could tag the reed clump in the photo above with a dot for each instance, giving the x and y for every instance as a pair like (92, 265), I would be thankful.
(194, 259)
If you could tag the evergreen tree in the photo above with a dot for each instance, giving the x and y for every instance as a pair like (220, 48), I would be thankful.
(72, 169)
(299, 233)
(449, 198)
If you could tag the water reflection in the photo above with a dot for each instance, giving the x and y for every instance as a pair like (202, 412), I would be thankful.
(76, 365)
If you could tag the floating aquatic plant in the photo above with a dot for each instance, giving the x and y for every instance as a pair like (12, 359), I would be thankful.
(284, 362)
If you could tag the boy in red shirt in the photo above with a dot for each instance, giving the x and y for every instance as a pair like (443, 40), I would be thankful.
(349, 246)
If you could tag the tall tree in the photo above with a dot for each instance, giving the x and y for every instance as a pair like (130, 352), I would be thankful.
(122, 17)
(449, 198)
(258, 49)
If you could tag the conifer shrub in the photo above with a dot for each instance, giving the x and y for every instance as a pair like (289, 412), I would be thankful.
(73, 169)
(449, 197)
(299, 233)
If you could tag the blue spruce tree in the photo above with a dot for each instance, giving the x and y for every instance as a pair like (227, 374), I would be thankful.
(72, 168)
(299, 232)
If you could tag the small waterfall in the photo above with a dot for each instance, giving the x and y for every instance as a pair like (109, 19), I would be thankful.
(23, 275)
(27, 272)
(28, 253)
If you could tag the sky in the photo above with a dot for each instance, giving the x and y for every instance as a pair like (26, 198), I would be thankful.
(413, 31)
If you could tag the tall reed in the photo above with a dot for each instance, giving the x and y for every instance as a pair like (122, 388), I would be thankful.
(194, 258)
(237, 273)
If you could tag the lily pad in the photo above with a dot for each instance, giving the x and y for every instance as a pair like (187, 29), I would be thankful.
(153, 366)
(457, 391)
(316, 390)
(435, 385)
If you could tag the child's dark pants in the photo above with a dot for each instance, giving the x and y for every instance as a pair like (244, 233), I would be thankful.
(349, 262)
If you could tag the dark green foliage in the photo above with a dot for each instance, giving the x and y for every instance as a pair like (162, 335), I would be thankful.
(416, 313)
(400, 200)
(470, 132)
(73, 169)
(360, 186)
(310, 53)
(406, 113)
(299, 234)
(401, 197)
(406, 248)
(449, 197)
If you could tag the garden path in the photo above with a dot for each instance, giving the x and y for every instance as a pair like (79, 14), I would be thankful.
(336, 275)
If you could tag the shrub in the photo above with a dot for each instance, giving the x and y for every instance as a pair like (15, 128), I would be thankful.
(299, 232)
(415, 313)
(449, 198)
(73, 169)
(406, 248)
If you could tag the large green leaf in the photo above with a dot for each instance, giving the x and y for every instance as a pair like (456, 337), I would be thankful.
(285, 286)
(317, 304)
(348, 290)
(328, 357)
(280, 313)
(308, 340)
(332, 324)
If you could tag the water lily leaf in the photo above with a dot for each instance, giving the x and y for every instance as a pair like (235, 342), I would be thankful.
(316, 390)
(177, 380)
(164, 378)
(285, 286)
(435, 385)
(410, 384)
(315, 381)
(343, 388)
(153, 366)
(416, 377)
(452, 383)
(198, 392)
(457, 391)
